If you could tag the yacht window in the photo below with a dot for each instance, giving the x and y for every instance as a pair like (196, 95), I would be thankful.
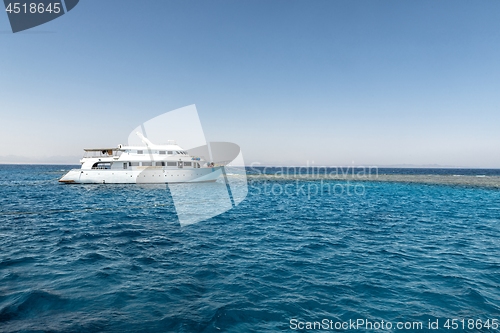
(178, 152)
(139, 152)
(134, 163)
(170, 152)
(102, 165)
(160, 163)
(171, 163)
(197, 165)
(162, 152)
(125, 165)
(187, 163)
(147, 164)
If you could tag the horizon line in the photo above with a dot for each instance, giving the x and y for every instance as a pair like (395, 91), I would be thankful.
(390, 166)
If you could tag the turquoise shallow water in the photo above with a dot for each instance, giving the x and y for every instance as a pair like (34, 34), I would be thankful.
(113, 258)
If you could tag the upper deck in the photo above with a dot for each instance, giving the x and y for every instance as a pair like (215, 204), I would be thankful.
(139, 156)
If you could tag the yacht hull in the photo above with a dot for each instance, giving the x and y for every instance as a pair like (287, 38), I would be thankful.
(147, 175)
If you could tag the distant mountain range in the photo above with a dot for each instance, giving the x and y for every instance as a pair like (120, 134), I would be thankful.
(15, 159)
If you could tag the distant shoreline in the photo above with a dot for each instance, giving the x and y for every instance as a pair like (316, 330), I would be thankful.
(299, 166)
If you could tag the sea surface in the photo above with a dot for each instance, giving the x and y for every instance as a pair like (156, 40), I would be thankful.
(295, 252)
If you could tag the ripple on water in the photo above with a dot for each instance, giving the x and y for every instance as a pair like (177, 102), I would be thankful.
(76, 258)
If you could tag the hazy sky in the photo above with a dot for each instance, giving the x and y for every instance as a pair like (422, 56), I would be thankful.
(334, 82)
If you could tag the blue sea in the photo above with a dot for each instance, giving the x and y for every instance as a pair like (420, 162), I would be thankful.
(114, 258)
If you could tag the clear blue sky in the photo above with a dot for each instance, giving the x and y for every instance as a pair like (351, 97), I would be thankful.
(334, 82)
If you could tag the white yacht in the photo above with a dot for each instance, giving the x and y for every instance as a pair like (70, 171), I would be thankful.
(148, 164)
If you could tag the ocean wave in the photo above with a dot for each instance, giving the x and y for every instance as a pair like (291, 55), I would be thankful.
(115, 259)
